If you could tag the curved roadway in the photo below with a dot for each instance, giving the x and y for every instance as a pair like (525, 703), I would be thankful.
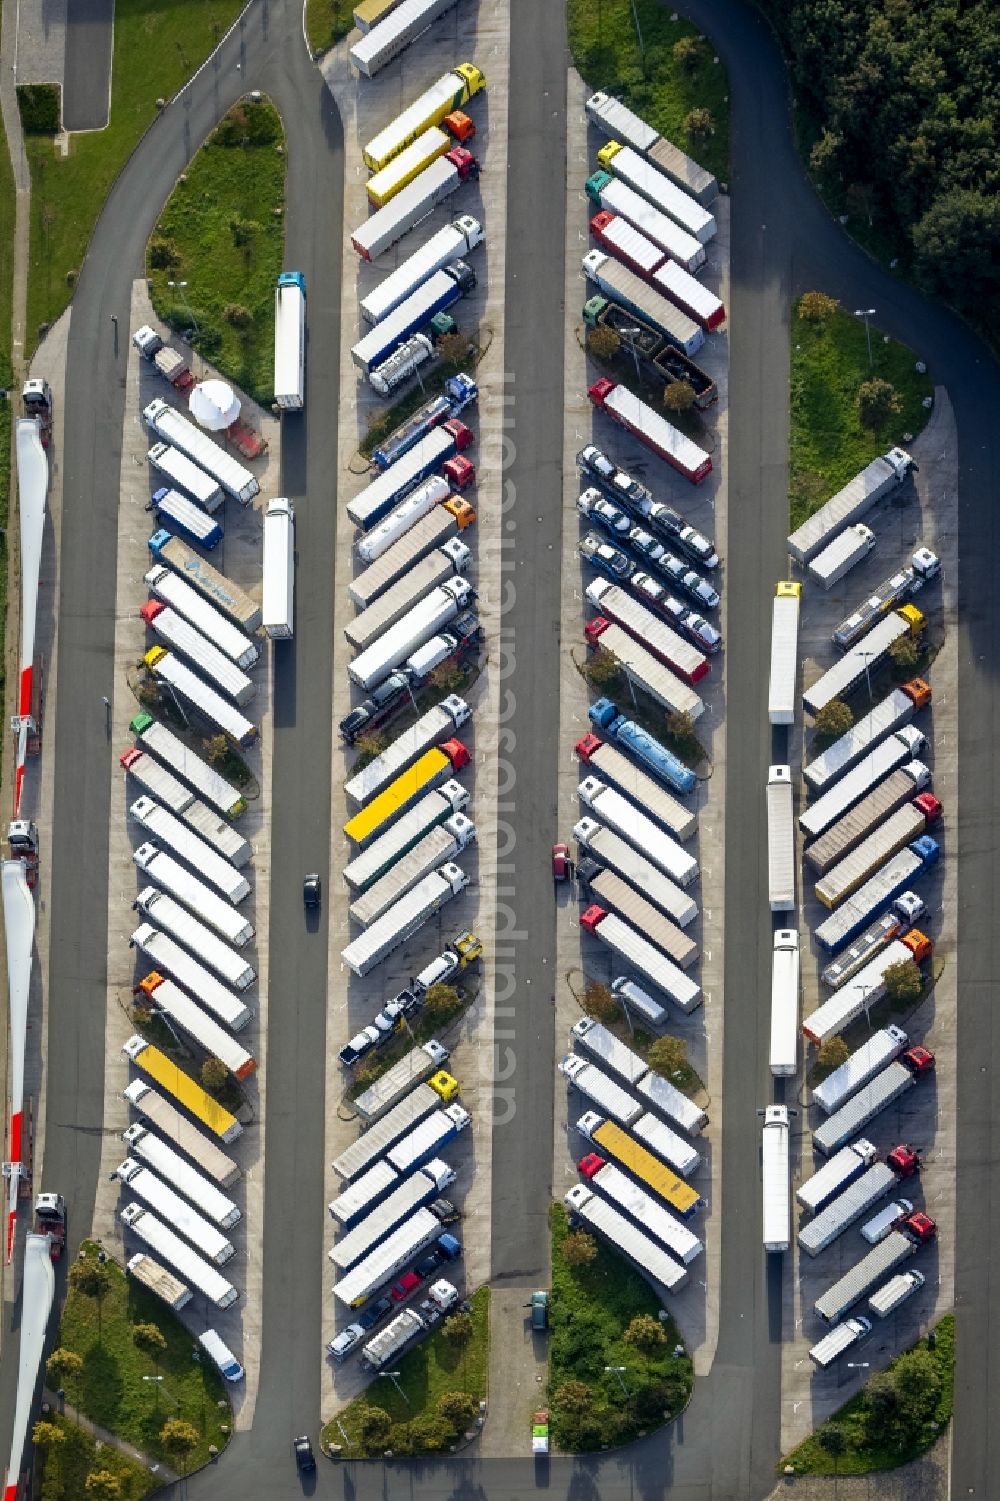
(783, 242)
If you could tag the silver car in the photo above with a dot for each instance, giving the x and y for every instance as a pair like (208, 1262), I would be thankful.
(700, 589)
(646, 545)
(698, 628)
(347, 1340)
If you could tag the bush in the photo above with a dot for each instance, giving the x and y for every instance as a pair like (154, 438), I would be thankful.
(374, 1425)
(458, 1328)
(448, 678)
(179, 1439)
(667, 1055)
(680, 727)
(453, 348)
(678, 396)
(903, 982)
(878, 400)
(40, 107)
(817, 307)
(905, 654)
(429, 1434)
(458, 1410)
(599, 1002)
(833, 1052)
(442, 1003)
(149, 1338)
(918, 1385)
(603, 342)
(237, 316)
(573, 1397)
(601, 670)
(163, 254)
(645, 1332)
(699, 124)
(834, 720)
(579, 1249)
(687, 52)
(214, 1074)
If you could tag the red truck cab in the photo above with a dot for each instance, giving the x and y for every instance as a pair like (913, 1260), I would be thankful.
(459, 472)
(918, 1060)
(590, 919)
(589, 1165)
(904, 1160)
(921, 1227)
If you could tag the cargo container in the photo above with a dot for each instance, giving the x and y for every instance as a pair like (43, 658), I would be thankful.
(160, 1197)
(179, 634)
(290, 341)
(878, 1227)
(895, 590)
(394, 1338)
(856, 666)
(404, 918)
(829, 1349)
(432, 452)
(459, 392)
(400, 171)
(862, 1066)
(615, 810)
(884, 719)
(178, 1009)
(433, 770)
(164, 1114)
(407, 1197)
(389, 848)
(155, 739)
(168, 955)
(862, 1195)
(156, 780)
(431, 728)
(900, 828)
(650, 962)
(429, 500)
(427, 1139)
(783, 1054)
(607, 762)
(360, 1197)
(838, 557)
(883, 1259)
(906, 910)
(690, 295)
(651, 429)
(872, 1099)
(612, 850)
(630, 736)
(666, 1144)
(610, 891)
(850, 504)
(438, 293)
(371, 1145)
(641, 667)
(410, 207)
(451, 243)
(391, 35)
(446, 94)
(639, 1002)
(382, 1264)
(195, 851)
(173, 590)
(437, 848)
(776, 1190)
(167, 668)
(210, 907)
(424, 576)
(412, 1069)
(896, 1291)
(598, 1086)
(177, 509)
(221, 592)
(641, 175)
(432, 530)
(901, 747)
(193, 934)
(883, 887)
(866, 988)
(667, 646)
(168, 1288)
(201, 1274)
(619, 282)
(834, 1176)
(780, 840)
(177, 430)
(603, 1220)
(148, 1149)
(667, 1098)
(217, 832)
(617, 198)
(640, 1206)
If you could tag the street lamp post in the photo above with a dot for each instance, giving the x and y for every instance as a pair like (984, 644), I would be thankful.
(632, 333)
(619, 1371)
(179, 286)
(393, 1376)
(866, 313)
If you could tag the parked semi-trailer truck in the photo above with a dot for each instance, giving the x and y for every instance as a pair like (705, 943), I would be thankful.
(435, 569)
(290, 341)
(423, 620)
(182, 680)
(175, 429)
(146, 1148)
(869, 1271)
(834, 1176)
(639, 743)
(434, 769)
(642, 667)
(391, 179)
(167, 955)
(856, 665)
(156, 740)
(900, 828)
(906, 910)
(850, 504)
(177, 509)
(361, 1156)
(608, 1224)
(621, 284)
(383, 1262)
(194, 935)
(206, 1237)
(884, 719)
(857, 1200)
(437, 450)
(438, 724)
(438, 181)
(900, 748)
(866, 988)
(609, 891)
(404, 918)
(447, 93)
(166, 1115)
(178, 1008)
(656, 356)
(651, 429)
(404, 362)
(459, 392)
(783, 1055)
(427, 502)
(847, 833)
(858, 1069)
(279, 569)
(870, 1101)
(182, 839)
(646, 178)
(877, 893)
(619, 123)
(780, 840)
(645, 1158)
(179, 634)
(187, 888)
(642, 1207)
(394, 32)
(408, 1196)
(608, 762)
(784, 652)
(832, 1346)
(649, 961)
(895, 590)
(379, 858)
(775, 1181)
(156, 780)
(667, 646)
(195, 1270)
(690, 295)
(610, 807)
(172, 589)
(452, 243)
(838, 557)
(215, 587)
(613, 196)
(605, 847)
(599, 1087)
(438, 293)
(413, 1068)
(438, 848)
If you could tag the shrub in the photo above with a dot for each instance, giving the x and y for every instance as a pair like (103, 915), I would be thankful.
(599, 1002)
(458, 1328)
(667, 1055)
(699, 124)
(903, 982)
(678, 396)
(453, 348)
(833, 1052)
(442, 1003)
(573, 1397)
(374, 1425)
(149, 1338)
(645, 1332)
(163, 254)
(458, 1410)
(238, 316)
(429, 1434)
(905, 654)
(603, 342)
(687, 52)
(214, 1074)
(817, 307)
(579, 1249)
(878, 400)
(40, 106)
(834, 720)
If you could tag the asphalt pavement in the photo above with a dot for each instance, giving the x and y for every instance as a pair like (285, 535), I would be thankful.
(87, 70)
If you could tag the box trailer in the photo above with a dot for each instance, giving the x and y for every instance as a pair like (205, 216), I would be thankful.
(609, 806)
(290, 341)
(850, 504)
(371, 1145)
(372, 504)
(434, 769)
(649, 961)
(155, 739)
(865, 989)
(625, 287)
(452, 243)
(394, 33)
(192, 849)
(148, 1149)
(865, 904)
(410, 207)
(898, 749)
(780, 840)
(599, 1087)
(447, 93)
(174, 919)
(178, 1008)
(607, 762)
(172, 589)
(361, 1196)
(861, 1067)
(610, 891)
(604, 1220)
(900, 828)
(639, 1001)
(217, 832)
(848, 832)
(872, 1099)
(888, 716)
(195, 1270)
(383, 1263)
(644, 177)
(173, 428)
(438, 724)
(430, 531)
(602, 1044)
(622, 239)
(896, 1291)
(834, 1176)
(856, 666)
(221, 592)
(368, 13)
(784, 652)
(895, 590)
(667, 1098)
(156, 780)
(195, 521)
(775, 1180)
(832, 1346)
(673, 650)
(783, 1052)
(879, 1262)
(437, 848)
(643, 668)
(166, 954)
(401, 836)
(180, 679)
(615, 197)
(404, 918)
(663, 1142)
(609, 848)
(412, 1069)
(423, 620)
(438, 293)
(400, 171)
(428, 1139)
(862, 1195)
(187, 888)
(651, 429)
(427, 574)
(642, 1207)
(279, 569)
(408, 1196)
(849, 548)
(690, 295)
(161, 1198)
(645, 1166)
(165, 1115)
(168, 1288)
(666, 1144)
(181, 636)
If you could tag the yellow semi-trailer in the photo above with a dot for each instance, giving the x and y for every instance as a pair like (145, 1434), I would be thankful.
(398, 173)
(450, 92)
(182, 1088)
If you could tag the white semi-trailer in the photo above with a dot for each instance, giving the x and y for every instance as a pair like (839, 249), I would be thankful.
(187, 888)
(784, 1003)
(175, 429)
(780, 840)
(191, 847)
(776, 1187)
(784, 652)
(195, 1270)
(404, 918)
(207, 946)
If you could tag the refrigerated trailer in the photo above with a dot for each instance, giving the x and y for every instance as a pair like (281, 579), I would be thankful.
(857, 1070)
(690, 295)
(191, 848)
(162, 743)
(436, 849)
(641, 174)
(451, 243)
(649, 961)
(429, 573)
(195, 1270)
(173, 589)
(165, 1115)
(394, 32)
(651, 429)
(857, 1200)
(209, 948)
(149, 1149)
(784, 652)
(898, 749)
(834, 1176)
(869, 1271)
(598, 1086)
(194, 521)
(780, 840)
(207, 1238)
(404, 918)
(279, 569)
(849, 504)
(175, 429)
(372, 1144)
(187, 888)
(221, 592)
(382, 1264)
(179, 634)
(429, 616)
(652, 1160)
(610, 849)
(613, 196)
(594, 1038)
(872, 1099)
(613, 767)
(783, 1056)
(290, 341)
(408, 1196)
(618, 122)
(775, 1180)
(888, 716)
(164, 953)
(167, 668)
(178, 1008)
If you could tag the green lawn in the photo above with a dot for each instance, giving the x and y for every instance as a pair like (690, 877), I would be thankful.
(590, 1309)
(605, 50)
(223, 229)
(327, 22)
(111, 1389)
(829, 361)
(426, 1373)
(63, 1477)
(158, 45)
(861, 1455)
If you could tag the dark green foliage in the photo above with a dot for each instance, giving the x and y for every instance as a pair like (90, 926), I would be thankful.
(40, 105)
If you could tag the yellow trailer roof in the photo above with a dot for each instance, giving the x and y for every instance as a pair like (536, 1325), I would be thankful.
(647, 1168)
(384, 808)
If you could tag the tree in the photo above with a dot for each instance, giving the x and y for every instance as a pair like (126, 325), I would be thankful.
(93, 1279)
(573, 1397)
(374, 1424)
(687, 52)
(678, 396)
(834, 720)
(214, 1074)
(180, 1439)
(458, 1328)
(903, 982)
(833, 1052)
(956, 245)
(371, 744)
(448, 677)
(880, 1397)
(102, 1485)
(216, 748)
(667, 1055)
(817, 307)
(149, 1339)
(599, 1002)
(603, 342)
(645, 1332)
(905, 654)
(602, 669)
(918, 1385)
(453, 348)
(860, 200)
(579, 1249)
(64, 1368)
(51, 1439)
(833, 1439)
(163, 254)
(699, 124)
(442, 1003)
(429, 1434)
(823, 156)
(878, 400)
(458, 1410)
(237, 315)
(680, 726)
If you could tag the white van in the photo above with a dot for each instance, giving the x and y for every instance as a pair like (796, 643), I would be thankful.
(219, 1352)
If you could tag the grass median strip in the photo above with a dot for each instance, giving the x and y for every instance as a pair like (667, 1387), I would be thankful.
(327, 22)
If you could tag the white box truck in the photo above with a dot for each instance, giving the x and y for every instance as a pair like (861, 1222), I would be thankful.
(833, 1345)
(290, 342)
(783, 1054)
(424, 620)
(279, 569)
(201, 487)
(838, 557)
(780, 840)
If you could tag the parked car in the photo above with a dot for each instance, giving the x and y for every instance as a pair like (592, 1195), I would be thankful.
(700, 589)
(672, 524)
(703, 634)
(560, 862)
(345, 1342)
(407, 1284)
(596, 462)
(366, 1039)
(540, 1311)
(596, 507)
(377, 707)
(305, 1460)
(646, 545)
(610, 560)
(428, 1265)
(374, 1312)
(312, 890)
(655, 593)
